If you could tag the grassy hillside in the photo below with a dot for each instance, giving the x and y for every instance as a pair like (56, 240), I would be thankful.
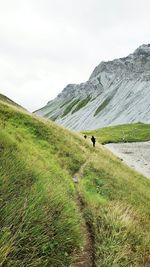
(5, 99)
(118, 204)
(41, 224)
(136, 132)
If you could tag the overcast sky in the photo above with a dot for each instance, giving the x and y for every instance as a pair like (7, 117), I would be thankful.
(46, 44)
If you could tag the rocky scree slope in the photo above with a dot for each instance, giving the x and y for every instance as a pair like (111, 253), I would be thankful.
(117, 92)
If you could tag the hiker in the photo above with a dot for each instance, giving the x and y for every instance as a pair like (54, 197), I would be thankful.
(93, 139)
(85, 136)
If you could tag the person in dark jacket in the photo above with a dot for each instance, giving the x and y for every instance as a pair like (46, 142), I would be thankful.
(93, 139)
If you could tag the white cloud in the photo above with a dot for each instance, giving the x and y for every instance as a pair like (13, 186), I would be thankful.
(46, 44)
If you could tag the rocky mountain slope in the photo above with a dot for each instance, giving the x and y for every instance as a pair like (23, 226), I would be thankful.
(117, 92)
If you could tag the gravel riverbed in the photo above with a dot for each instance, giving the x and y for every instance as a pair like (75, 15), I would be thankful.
(135, 155)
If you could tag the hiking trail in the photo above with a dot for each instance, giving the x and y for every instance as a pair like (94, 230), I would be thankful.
(87, 256)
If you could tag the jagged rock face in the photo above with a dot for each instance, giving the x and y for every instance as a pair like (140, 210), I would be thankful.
(117, 92)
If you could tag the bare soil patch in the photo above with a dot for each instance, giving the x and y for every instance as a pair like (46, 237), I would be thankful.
(87, 255)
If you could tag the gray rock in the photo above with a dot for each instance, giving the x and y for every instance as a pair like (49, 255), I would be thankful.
(117, 92)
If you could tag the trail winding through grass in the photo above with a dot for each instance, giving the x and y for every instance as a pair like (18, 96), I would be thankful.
(87, 256)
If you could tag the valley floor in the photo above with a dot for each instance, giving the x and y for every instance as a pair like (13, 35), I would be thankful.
(135, 155)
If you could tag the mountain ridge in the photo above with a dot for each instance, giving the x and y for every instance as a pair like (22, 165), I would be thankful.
(117, 92)
(7, 100)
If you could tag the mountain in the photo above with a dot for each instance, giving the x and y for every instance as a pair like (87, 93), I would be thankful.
(117, 92)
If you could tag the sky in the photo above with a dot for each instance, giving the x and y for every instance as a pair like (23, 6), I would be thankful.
(47, 44)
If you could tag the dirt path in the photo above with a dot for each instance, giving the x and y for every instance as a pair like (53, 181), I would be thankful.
(135, 155)
(86, 258)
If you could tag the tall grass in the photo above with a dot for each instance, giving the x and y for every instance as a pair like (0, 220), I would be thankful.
(41, 224)
(117, 203)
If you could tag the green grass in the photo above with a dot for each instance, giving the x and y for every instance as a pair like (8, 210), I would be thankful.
(7, 100)
(70, 107)
(102, 106)
(41, 225)
(135, 132)
(117, 205)
(82, 104)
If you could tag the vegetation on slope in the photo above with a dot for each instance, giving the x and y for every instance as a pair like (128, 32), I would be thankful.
(136, 132)
(102, 106)
(7, 100)
(82, 104)
(65, 103)
(40, 222)
(70, 107)
(117, 205)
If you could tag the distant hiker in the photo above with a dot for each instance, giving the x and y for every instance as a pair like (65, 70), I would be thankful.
(85, 136)
(93, 139)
